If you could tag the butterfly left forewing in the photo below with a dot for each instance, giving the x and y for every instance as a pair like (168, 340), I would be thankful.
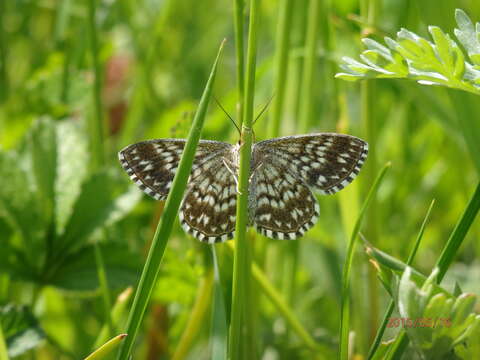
(152, 164)
(327, 162)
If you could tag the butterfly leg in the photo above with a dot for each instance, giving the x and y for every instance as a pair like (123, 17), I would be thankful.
(230, 167)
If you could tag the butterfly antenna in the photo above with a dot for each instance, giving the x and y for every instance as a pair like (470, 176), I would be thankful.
(263, 109)
(226, 113)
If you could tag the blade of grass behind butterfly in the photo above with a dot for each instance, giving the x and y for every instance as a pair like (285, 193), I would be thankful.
(219, 331)
(238, 18)
(197, 317)
(370, 11)
(285, 253)
(282, 306)
(96, 131)
(3, 346)
(391, 305)
(345, 301)
(164, 228)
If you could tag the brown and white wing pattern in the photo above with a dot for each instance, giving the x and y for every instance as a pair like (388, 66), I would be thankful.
(327, 162)
(282, 206)
(209, 207)
(152, 164)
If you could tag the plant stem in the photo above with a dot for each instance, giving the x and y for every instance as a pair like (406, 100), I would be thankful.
(96, 121)
(241, 269)
(283, 307)
(4, 85)
(164, 228)
(240, 54)
(369, 11)
(97, 148)
(281, 65)
(309, 65)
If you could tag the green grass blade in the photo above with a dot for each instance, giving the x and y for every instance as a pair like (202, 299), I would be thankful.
(238, 6)
(197, 317)
(281, 67)
(96, 128)
(118, 313)
(3, 346)
(106, 349)
(391, 305)
(97, 146)
(345, 302)
(309, 65)
(241, 264)
(458, 235)
(219, 333)
(164, 228)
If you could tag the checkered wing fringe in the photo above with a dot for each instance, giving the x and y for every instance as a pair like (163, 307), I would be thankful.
(327, 162)
(152, 164)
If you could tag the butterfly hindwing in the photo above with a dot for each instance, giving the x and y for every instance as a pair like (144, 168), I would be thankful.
(327, 162)
(209, 206)
(285, 208)
(152, 164)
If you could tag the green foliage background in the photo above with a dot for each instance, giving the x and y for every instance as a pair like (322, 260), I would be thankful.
(68, 212)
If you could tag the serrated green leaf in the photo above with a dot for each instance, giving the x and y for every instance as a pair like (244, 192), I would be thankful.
(459, 61)
(71, 170)
(410, 49)
(442, 44)
(475, 58)
(416, 58)
(124, 204)
(392, 44)
(20, 329)
(407, 34)
(43, 149)
(469, 347)
(376, 46)
(462, 308)
(20, 206)
(466, 33)
(349, 76)
(78, 271)
(91, 210)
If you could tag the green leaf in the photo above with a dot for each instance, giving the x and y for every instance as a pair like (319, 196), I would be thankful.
(78, 271)
(411, 56)
(442, 45)
(72, 161)
(20, 329)
(91, 210)
(466, 33)
(20, 206)
(43, 149)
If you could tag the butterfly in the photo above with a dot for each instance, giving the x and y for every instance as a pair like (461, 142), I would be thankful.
(284, 171)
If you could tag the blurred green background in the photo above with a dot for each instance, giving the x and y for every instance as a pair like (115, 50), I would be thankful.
(63, 201)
